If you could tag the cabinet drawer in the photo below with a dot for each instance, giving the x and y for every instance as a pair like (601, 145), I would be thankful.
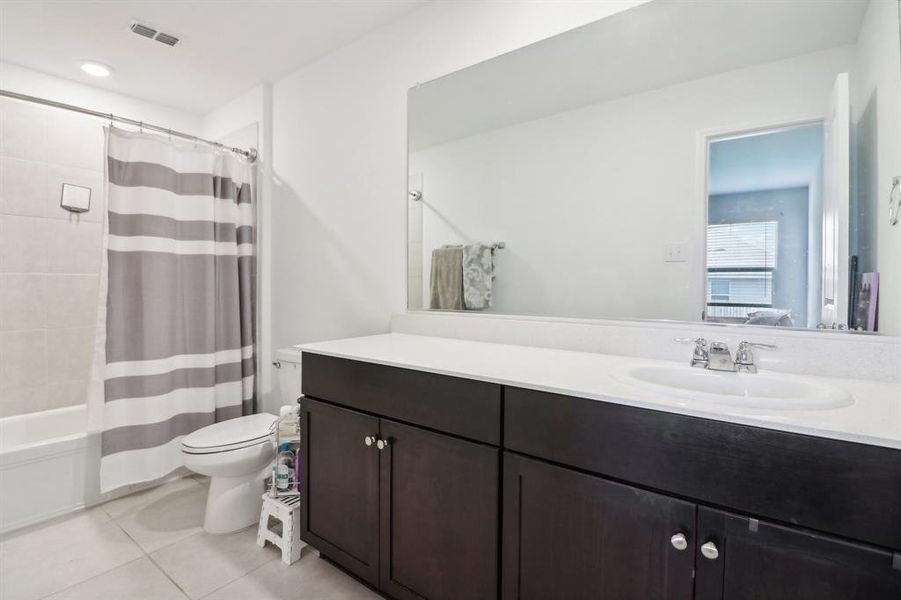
(849, 489)
(462, 407)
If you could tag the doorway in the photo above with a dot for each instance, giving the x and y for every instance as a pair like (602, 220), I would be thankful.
(764, 229)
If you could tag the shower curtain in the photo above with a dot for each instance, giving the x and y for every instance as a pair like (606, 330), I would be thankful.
(175, 347)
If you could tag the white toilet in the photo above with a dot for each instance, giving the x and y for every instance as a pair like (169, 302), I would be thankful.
(237, 455)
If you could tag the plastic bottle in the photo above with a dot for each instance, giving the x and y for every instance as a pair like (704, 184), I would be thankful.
(284, 468)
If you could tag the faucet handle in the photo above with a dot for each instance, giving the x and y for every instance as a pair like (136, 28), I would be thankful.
(700, 357)
(690, 340)
(744, 357)
(744, 345)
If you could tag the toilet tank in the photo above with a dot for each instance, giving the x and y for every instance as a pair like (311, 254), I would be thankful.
(287, 363)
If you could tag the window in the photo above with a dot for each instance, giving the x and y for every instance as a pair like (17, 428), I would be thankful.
(741, 258)
(720, 290)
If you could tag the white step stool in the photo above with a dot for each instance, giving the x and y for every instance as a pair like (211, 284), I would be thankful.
(287, 510)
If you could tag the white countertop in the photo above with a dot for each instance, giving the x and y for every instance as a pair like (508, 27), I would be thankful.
(874, 418)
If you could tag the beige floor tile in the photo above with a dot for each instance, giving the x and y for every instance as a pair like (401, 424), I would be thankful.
(175, 514)
(59, 554)
(137, 580)
(126, 504)
(311, 578)
(203, 563)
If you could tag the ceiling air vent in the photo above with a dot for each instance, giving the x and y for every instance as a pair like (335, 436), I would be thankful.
(169, 40)
(147, 32)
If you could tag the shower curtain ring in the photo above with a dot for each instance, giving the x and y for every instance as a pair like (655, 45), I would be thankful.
(141, 126)
(111, 120)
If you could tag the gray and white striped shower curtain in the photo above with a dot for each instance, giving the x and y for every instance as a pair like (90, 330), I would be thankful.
(175, 349)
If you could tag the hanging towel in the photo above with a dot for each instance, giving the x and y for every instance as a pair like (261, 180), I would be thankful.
(478, 273)
(446, 282)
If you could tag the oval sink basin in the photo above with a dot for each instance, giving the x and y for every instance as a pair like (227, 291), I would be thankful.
(747, 390)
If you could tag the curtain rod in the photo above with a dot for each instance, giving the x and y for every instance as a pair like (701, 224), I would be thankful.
(250, 154)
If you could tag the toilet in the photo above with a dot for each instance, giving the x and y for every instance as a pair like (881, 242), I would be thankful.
(237, 456)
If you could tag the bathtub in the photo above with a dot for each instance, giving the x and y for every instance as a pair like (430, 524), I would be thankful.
(49, 466)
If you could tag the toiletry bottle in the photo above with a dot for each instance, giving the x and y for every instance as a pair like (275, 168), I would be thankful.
(284, 467)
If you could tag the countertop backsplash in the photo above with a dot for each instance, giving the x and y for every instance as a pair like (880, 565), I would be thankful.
(832, 354)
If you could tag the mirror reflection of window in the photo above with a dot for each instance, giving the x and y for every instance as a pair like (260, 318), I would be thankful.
(741, 260)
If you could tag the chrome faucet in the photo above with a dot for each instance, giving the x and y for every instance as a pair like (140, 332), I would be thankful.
(720, 357)
(700, 356)
(716, 356)
(744, 356)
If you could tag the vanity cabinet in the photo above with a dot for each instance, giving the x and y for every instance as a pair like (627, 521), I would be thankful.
(439, 515)
(412, 511)
(572, 535)
(757, 560)
(340, 487)
(472, 490)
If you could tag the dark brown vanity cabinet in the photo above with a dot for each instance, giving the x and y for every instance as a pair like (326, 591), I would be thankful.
(576, 529)
(429, 486)
(412, 511)
(340, 487)
(571, 535)
(747, 559)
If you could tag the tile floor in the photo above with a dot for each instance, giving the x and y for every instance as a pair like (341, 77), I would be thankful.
(150, 546)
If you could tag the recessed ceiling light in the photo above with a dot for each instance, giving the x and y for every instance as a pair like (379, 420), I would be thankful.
(96, 69)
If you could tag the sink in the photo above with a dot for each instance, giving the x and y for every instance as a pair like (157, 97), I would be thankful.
(763, 391)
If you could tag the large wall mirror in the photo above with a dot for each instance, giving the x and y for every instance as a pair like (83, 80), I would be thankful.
(726, 161)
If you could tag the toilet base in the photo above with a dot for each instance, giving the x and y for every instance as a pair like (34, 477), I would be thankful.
(234, 503)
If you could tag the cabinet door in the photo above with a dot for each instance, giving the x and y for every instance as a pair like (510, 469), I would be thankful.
(439, 510)
(339, 483)
(761, 561)
(570, 535)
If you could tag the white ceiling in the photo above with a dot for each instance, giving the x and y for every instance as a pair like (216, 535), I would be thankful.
(226, 47)
(768, 161)
(651, 46)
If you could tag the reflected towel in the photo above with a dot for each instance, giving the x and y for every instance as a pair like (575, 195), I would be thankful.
(478, 273)
(446, 281)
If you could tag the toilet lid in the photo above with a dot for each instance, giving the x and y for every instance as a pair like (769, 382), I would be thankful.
(240, 432)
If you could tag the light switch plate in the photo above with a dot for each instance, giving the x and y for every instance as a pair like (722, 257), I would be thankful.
(675, 253)
(75, 198)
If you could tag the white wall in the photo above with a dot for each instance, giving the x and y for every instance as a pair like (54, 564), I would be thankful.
(878, 79)
(25, 81)
(339, 158)
(587, 199)
(245, 122)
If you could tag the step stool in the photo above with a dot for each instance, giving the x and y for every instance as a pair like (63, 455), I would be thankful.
(287, 510)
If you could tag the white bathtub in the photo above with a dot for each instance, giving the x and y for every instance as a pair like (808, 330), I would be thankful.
(49, 466)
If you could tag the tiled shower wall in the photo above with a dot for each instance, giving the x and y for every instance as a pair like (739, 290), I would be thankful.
(49, 258)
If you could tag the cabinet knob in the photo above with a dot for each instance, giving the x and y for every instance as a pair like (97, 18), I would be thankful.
(709, 550)
(369, 440)
(679, 541)
(381, 444)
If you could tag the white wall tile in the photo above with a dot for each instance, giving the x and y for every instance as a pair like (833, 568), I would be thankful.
(22, 298)
(67, 393)
(57, 175)
(75, 141)
(21, 400)
(71, 300)
(69, 354)
(22, 359)
(23, 244)
(73, 246)
(23, 185)
(24, 128)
